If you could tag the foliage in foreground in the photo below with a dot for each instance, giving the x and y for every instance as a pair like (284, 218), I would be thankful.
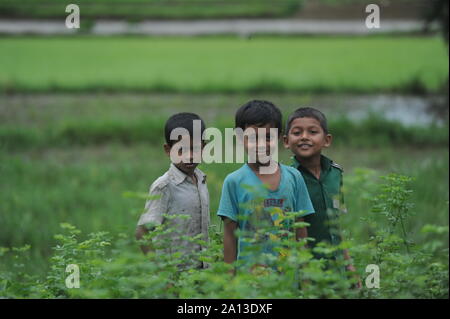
(110, 268)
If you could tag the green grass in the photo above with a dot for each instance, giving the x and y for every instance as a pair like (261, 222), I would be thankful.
(35, 121)
(81, 178)
(223, 64)
(85, 185)
(372, 131)
(145, 9)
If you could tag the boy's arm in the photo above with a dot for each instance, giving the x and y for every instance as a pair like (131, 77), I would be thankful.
(303, 204)
(141, 231)
(351, 267)
(347, 257)
(229, 240)
(301, 232)
(155, 208)
(228, 210)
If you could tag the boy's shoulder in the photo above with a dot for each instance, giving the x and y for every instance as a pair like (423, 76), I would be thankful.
(331, 163)
(237, 175)
(172, 175)
(288, 168)
(337, 166)
(291, 171)
(161, 182)
(200, 174)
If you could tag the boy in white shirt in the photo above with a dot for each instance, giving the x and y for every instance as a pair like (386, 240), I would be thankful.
(182, 190)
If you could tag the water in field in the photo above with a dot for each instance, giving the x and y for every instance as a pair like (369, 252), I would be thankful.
(406, 109)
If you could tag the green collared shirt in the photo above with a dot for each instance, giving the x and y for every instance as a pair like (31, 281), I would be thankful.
(327, 199)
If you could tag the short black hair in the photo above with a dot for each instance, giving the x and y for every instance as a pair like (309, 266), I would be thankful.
(308, 112)
(258, 112)
(182, 120)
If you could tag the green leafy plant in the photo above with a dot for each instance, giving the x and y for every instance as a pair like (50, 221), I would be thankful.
(111, 266)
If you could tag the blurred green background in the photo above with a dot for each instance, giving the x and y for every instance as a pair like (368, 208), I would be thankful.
(81, 116)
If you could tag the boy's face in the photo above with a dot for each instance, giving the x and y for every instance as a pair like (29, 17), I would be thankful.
(260, 146)
(306, 138)
(187, 151)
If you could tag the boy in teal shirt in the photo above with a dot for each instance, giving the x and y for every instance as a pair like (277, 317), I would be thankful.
(251, 199)
(306, 136)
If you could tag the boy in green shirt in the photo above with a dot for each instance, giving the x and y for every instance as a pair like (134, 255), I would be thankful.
(306, 136)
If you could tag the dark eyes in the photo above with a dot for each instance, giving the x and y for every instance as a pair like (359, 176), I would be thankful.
(297, 133)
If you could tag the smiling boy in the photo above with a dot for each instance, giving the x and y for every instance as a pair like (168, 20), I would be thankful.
(251, 199)
(307, 136)
(182, 190)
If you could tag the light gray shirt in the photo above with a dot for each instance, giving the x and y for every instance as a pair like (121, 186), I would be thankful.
(179, 195)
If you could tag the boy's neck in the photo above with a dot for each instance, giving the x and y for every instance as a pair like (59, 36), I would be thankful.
(190, 174)
(312, 164)
(271, 181)
(256, 166)
(183, 171)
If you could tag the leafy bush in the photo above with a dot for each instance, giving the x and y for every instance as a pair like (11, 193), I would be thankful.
(111, 268)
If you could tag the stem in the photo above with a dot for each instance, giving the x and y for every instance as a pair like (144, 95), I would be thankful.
(404, 234)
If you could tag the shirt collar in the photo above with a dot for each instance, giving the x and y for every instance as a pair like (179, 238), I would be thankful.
(325, 163)
(178, 176)
(295, 162)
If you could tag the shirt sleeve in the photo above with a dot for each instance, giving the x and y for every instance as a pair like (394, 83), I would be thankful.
(156, 208)
(303, 201)
(228, 206)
